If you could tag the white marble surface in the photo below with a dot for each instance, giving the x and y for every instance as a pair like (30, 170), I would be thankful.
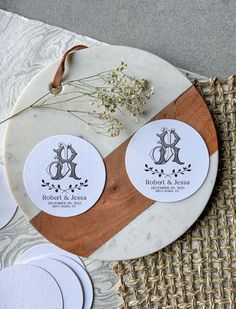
(162, 222)
(36, 125)
(37, 46)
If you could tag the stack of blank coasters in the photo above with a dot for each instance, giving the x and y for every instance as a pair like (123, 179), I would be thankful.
(46, 276)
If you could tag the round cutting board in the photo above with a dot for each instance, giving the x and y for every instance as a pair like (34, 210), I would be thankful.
(123, 224)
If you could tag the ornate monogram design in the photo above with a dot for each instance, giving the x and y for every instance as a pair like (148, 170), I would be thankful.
(64, 165)
(166, 148)
(165, 151)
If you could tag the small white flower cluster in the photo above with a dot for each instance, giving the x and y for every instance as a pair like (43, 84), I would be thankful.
(110, 93)
(126, 94)
(112, 125)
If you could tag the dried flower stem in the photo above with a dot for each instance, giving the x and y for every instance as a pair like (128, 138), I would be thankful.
(108, 92)
(24, 109)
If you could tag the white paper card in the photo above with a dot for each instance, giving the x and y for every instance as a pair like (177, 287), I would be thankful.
(27, 287)
(8, 204)
(82, 276)
(44, 251)
(66, 279)
(167, 160)
(52, 252)
(64, 175)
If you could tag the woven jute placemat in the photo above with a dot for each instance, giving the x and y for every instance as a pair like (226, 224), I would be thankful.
(199, 269)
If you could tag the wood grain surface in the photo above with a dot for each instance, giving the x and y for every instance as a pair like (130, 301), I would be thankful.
(20, 63)
(19, 235)
(120, 202)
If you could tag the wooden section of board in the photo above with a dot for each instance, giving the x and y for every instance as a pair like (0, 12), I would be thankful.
(120, 202)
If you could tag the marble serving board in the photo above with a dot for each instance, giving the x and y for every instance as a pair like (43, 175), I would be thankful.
(112, 231)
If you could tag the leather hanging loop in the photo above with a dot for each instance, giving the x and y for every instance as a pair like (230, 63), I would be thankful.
(56, 83)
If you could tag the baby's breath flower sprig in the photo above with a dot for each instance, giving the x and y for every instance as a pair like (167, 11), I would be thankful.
(109, 93)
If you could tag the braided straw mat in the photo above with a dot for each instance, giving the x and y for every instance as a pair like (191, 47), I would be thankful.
(199, 269)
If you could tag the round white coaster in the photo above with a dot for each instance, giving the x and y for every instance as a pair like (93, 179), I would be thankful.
(8, 204)
(167, 160)
(82, 275)
(44, 251)
(69, 177)
(68, 282)
(159, 224)
(28, 286)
